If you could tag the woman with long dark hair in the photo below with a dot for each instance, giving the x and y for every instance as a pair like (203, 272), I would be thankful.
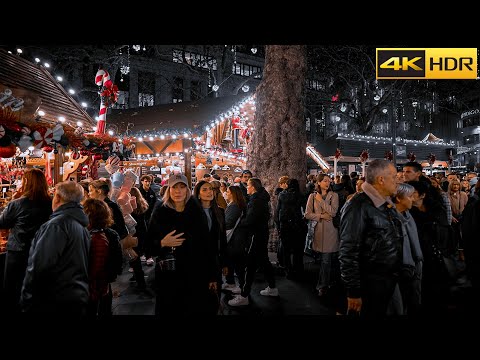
(217, 241)
(23, 217)
(236, 252)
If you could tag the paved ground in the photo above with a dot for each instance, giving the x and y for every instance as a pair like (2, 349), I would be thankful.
(297, 297)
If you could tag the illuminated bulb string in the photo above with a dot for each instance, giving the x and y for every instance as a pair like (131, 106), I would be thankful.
(316, 157)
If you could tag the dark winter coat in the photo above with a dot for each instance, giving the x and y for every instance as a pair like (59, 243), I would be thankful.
(289, 214)
(118, 220)
(370, 241)
(57, 273)
(24, 217)
(151, 199)
(238, 242)
(258, 214)
(196, 260)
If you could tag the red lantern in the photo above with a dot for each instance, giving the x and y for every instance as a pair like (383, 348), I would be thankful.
(7, 151)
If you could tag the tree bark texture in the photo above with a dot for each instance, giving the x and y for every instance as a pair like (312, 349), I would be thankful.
(278, 145)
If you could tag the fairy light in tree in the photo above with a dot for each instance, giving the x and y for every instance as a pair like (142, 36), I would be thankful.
(125, 68)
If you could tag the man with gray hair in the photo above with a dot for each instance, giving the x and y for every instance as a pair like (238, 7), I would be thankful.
(56, 281)
(371, 242)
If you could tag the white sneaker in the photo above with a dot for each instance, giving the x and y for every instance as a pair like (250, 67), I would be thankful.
(268, 291)
(143, 258)
(150, 261)
(239, 300)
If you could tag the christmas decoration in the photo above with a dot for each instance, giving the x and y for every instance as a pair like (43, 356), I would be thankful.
(411, 156)
(338, 154)
(389, 155)
(431, 159)
(108, 96)
(364, 156)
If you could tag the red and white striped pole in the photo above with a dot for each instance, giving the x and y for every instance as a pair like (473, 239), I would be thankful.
(102, 78)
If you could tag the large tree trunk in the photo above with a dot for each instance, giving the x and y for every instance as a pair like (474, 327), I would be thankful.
(278, 145)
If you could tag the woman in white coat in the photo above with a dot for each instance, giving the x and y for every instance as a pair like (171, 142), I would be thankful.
(322, 206)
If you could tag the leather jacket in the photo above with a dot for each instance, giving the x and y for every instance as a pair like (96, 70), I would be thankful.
(370, 241)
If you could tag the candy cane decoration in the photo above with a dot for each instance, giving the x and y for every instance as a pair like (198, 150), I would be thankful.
(102, 79)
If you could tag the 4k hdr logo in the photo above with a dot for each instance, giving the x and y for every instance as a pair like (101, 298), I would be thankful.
(427, 63)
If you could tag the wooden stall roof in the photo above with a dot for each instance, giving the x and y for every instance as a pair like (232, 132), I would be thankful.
(192, 115)
(16, 72)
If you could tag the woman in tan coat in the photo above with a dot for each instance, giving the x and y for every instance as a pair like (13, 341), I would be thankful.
(322, 206)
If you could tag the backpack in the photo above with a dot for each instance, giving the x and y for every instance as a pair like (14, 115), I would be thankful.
(114, 264)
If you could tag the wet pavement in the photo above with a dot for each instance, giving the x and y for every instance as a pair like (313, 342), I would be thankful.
(297, 297)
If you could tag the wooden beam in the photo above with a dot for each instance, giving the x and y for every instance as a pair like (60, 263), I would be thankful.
(152, 149)
(58, 166)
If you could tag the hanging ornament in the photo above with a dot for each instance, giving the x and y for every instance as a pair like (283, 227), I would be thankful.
(411, 156)
(338, 154)
(364, 156)
(450, 160)
(42, 137)
(431, 159)
(389, 155)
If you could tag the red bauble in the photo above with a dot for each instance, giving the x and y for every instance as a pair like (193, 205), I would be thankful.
(97, 157)
(75, 155)
(47, 149)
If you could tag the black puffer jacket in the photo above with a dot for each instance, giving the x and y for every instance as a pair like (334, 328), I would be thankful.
(370, 241)
(23, 217)
(57, 271)
(258, 213)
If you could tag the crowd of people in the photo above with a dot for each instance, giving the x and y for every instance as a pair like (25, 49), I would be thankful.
(383, 242)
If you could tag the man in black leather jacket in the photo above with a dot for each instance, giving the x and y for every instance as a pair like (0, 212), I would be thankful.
(371, 242)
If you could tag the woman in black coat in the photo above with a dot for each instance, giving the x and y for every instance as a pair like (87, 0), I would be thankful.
(185, 271)
(217, 242)
(23, 217)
